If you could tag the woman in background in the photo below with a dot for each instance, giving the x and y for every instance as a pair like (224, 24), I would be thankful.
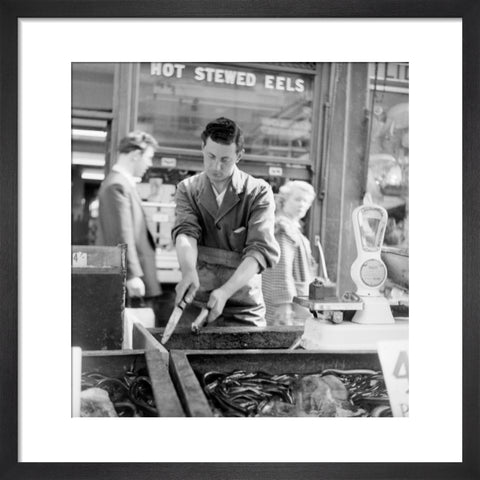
(295, 270)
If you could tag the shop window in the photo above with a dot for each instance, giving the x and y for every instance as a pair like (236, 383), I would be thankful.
(274, 109)
(389, 146)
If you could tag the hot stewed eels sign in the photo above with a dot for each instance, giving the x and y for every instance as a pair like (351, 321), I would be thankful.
(226, 76)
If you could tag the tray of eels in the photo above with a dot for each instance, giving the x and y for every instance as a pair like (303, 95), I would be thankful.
(281, 383)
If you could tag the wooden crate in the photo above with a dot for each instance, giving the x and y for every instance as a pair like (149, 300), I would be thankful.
(143, 340)
(98, 296)
(230, 338)
(115, 363)
(187, 367)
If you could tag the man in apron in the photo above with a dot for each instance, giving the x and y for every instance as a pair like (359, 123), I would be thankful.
(224, 233)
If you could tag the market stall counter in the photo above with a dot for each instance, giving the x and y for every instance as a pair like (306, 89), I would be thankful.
(224, 338)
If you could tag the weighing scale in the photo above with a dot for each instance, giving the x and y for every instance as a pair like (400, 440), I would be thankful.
(368, 271)
(373, 320)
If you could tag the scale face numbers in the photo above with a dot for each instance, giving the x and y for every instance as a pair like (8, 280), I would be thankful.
(373, 273)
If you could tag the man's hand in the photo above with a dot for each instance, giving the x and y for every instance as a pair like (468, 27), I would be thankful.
(187, 287)
(216, 303)
(135, 287)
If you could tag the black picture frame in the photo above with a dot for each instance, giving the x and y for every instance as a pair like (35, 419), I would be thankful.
(11, 11)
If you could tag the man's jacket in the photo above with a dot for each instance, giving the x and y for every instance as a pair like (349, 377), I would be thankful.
(242, 225)
(122, 220)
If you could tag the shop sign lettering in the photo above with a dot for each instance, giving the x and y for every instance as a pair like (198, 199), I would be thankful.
(167, 69)
(394, 71)
(229, 77)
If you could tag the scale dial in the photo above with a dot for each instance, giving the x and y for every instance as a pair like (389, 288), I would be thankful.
(373, 273)
(368, 271)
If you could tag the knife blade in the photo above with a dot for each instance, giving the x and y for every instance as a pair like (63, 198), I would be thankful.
(173, 321)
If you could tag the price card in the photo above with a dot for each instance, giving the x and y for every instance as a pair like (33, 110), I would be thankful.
(79, 259)
(275, 171)
(168, 162)
(394, 359)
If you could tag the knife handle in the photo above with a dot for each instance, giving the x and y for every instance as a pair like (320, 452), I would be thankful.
(182, 304)
(201, 320)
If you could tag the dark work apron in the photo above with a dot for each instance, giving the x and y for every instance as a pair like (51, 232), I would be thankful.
(215, 267)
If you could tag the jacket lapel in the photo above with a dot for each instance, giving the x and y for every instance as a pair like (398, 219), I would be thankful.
(207, 197)
(136, 198)
(231, 197)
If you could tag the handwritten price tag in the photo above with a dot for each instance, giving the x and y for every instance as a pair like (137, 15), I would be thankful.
(79, 259)
(394, 359)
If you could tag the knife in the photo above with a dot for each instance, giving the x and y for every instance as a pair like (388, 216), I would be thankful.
(173, 321)
(201, 320)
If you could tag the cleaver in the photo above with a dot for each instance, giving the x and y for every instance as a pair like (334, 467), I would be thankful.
(173, 321)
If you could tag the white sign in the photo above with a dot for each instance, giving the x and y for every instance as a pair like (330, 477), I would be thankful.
(394, 359)
(79, 259)
(228, 76)
(275, 171)
(168, 162)
(167, 69)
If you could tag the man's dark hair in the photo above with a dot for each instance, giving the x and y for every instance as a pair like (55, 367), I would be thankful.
(225, 131)
(136, 141)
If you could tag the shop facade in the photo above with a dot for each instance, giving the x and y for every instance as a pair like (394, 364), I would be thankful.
(325, 123)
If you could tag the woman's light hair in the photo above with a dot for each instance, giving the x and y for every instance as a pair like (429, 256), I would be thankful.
(292, 186)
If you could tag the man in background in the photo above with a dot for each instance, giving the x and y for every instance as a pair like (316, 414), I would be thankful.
(121, 217)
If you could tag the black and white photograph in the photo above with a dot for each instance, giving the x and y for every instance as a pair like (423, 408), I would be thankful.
(243, 228)
(218, 260)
